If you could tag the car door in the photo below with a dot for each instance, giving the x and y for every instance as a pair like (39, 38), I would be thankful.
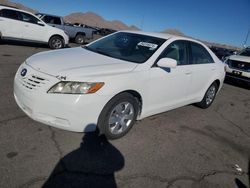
(168, 87)
(10, 24)
(203, 68)
(32, 29)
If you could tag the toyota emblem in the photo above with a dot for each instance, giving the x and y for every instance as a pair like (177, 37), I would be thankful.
(23, 72)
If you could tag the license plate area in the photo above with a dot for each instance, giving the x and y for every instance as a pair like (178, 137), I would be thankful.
(238, 73)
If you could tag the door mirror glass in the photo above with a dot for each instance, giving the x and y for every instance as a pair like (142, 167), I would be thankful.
(167, 63)
(40, 23)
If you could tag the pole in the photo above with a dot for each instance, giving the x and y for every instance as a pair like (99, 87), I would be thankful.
(244, 45)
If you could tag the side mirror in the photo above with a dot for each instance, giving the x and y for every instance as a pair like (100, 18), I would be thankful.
(40, 23)
(167, 63)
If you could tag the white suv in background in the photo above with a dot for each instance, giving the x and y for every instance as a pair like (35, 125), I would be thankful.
(239, 66)
(19, 25)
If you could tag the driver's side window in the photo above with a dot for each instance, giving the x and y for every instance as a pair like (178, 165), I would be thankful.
(28, 18)
(176, 50)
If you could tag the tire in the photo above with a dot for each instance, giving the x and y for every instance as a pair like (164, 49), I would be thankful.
(209, 96)
(80, 39)
(56, 42)
(113, 122)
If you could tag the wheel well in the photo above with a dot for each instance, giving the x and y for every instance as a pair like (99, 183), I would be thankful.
(217, 82)
(56, 36)
(80, 33)
(137, 96)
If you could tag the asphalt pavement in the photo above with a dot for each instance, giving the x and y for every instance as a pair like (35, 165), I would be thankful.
(182, 148)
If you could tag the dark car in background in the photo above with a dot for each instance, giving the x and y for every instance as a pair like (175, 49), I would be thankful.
(222, 53)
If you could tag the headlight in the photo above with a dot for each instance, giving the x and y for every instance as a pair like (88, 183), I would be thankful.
(76, 87)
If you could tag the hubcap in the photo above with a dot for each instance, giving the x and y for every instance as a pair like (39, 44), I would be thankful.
(121, 117)
(80, 40)
(210, 94)
(57, 43)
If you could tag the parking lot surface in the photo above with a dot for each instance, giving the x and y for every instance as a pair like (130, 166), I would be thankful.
(186, 147)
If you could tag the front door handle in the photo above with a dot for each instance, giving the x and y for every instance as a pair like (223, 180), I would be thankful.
(188, 73)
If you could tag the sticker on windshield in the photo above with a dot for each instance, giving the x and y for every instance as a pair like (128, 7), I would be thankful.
(151, 46)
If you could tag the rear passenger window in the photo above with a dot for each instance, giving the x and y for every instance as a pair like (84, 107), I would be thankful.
(199, 55)
(177, 51)
(1, 13)
(11, 14)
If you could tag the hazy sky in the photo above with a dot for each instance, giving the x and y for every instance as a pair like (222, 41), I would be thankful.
(223, 21)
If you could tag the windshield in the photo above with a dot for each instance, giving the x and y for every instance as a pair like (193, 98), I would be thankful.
(127, 46)
(245, 52)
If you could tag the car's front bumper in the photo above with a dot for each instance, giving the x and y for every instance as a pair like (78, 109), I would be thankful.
(77, 113)
(237, 74)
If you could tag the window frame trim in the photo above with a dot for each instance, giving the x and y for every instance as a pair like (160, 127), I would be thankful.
(9, 10)
(29, 15)
(19, 16)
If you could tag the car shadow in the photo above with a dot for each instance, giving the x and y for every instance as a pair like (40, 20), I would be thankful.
(23, 43)
(237, 83)
(93, 164)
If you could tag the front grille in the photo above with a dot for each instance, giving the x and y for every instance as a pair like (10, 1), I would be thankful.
(239, 65)
(33, 82)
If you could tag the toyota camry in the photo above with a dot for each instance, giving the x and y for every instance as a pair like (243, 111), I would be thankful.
(116, 80)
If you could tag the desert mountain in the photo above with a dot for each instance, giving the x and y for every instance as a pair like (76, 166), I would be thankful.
(94, 20)
(88, 18)
(173, 32)
(209, 44)
(17, 5)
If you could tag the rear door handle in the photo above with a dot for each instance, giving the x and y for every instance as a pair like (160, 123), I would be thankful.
(213, 69)
(26, 25)
(1, 19)
(188, 73)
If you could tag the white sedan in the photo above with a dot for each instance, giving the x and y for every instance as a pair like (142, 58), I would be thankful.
(116, 80)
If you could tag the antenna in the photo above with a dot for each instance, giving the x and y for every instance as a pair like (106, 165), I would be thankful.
(142, 22)
(244, 44)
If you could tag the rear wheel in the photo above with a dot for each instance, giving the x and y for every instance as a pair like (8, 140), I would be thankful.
(56, 42)
(209, 96)
(80, 39)
(118, 116)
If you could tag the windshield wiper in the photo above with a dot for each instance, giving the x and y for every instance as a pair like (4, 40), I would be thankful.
(103, 53)
(97, 50)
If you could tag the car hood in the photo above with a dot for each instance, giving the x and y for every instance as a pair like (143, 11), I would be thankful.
(77, 62)
(240, 58)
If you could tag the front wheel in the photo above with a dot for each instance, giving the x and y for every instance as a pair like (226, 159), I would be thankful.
(56, 42)
(209, 96)
(118, 116)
